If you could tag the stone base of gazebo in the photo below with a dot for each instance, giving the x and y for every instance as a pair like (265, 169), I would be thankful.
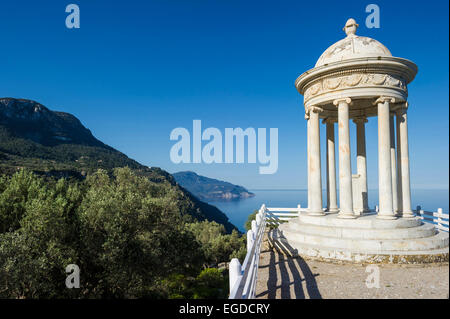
(363, 240)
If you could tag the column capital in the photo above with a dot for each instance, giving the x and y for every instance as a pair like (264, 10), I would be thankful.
(383, 99)
(401, 107)
(344, 99)
(329, 120)
(360, 119)
(314, 108)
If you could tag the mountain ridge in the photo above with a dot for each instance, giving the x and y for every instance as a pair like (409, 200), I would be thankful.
(56, 144)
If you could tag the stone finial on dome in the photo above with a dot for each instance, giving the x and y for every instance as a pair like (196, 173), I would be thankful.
(350, 27)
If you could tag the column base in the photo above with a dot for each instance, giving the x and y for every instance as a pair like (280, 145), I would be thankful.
(316, 213)
(407, 215)
(358, 213)
(349, 215)
(333, 210)
(388, 217)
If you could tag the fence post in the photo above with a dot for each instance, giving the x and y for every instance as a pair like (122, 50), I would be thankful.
(259, 218)
(298, 209)
(234, 271)
(376, 208)
(421, 213)
(254, 228)
(249, 240)
(439, 220)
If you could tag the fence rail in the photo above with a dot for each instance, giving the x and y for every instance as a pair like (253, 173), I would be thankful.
(438, 218)
(276, 216)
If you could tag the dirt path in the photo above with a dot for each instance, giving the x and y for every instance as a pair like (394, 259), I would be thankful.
(295, 278)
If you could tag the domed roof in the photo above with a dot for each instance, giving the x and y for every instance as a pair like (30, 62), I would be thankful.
(352, 46)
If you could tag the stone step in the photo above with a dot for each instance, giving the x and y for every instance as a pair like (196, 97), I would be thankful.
(290, 248)
(421, 231)
(439, 240)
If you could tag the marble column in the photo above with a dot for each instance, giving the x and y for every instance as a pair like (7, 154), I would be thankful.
(361, 159)
(314, 163)
(345, 170)
(403, 162)
(308, 149)
(393, 165)
(331, 168)
(399, 166)
(386, 210)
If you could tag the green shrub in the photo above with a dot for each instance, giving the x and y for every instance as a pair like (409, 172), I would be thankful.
(127, 234)
(209, 284)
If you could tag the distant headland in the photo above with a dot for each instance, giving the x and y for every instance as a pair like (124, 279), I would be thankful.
(209, 189)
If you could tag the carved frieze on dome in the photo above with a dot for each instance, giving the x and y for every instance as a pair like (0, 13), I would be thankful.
(354, 80)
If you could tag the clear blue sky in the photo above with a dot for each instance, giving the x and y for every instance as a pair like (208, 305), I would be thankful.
(137, 69)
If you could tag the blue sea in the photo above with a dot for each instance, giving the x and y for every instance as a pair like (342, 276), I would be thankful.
(238, 210)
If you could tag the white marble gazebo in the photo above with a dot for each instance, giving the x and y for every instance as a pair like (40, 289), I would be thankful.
(355, 79)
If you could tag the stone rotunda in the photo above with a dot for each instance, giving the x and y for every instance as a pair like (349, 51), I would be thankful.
(357, 78)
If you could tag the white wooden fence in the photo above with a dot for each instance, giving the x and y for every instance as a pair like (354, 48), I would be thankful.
(439, 218)
(243, 277)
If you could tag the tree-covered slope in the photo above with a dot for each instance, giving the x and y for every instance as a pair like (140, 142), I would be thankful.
(125, 233)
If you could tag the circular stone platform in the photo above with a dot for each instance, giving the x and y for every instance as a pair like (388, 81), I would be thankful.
(364, 239)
